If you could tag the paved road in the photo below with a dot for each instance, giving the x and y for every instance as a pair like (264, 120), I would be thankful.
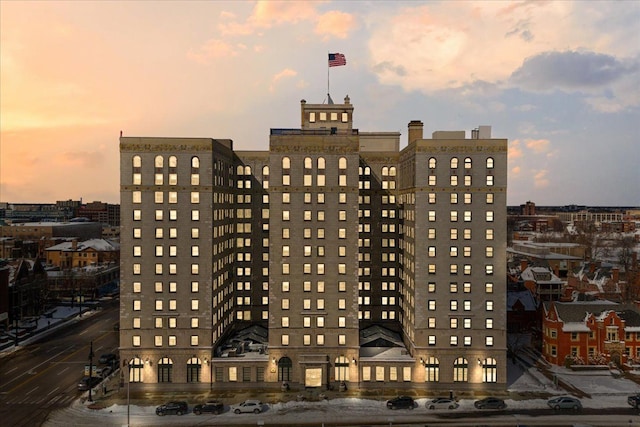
(42, 376)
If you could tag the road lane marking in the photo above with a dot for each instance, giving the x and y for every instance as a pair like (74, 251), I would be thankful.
(53, 391)
(60, 373)
(32, 390)
(35, 367)
(11, 370)
(46, 361)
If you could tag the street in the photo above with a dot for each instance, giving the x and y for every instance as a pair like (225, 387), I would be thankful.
(43, 375)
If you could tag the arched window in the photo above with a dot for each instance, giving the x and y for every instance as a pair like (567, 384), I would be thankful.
(460, 370)
(467, 163)
(367, 170)
(489, 370)
(286, 170)
(308, 163)
(454, 163)
(392, 171)
(173, 170)
(385, 171)
(247, 170)
(432, 369)
(321, 163)
(284, 369)
(194, 367)
(342, 163)
(165, 370)
(489, 162)
(265, 177)
(136, 368)
(342, 368)
(195, 171)
(432, 163)
(159, 174)
(137, 170)
(240, 170)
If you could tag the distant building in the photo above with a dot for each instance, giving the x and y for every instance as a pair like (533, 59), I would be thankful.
(593, 333)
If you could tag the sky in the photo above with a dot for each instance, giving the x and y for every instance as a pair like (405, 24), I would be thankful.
(559, 79)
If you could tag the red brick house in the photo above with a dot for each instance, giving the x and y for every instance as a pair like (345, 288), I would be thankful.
(590, 332)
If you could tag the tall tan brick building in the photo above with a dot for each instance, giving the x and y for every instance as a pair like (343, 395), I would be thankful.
(333, 257)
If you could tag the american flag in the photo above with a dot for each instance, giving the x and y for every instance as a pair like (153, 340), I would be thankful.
(337, 59)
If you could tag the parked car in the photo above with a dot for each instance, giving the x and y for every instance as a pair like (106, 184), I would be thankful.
(214, 407)
(634, 400)
(247, 406)
(86, 383)
(401, 402)
(108, 359)
(490, 403)
(442, 403)
(172, 408)
(106, 371)
(564, 402)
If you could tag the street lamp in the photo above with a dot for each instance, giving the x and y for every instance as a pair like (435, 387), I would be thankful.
(90, 370)
(128, 383)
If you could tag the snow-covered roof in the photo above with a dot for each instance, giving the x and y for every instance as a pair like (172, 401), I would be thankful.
(100, 245)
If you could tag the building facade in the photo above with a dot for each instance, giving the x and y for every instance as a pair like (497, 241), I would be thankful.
(334, 257)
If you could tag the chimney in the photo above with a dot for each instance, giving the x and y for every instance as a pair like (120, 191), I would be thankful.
(523, 265)
(74, 244)
(415, 130)
(615, 274)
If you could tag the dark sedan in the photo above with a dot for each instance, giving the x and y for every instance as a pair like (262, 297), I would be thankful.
(214, 407)
(490, 403)
(172, 408)
(401, 402)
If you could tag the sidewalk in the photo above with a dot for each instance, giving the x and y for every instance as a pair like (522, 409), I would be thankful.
(44, 325)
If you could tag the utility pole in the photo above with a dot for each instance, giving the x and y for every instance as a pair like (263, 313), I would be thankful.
(90, 370)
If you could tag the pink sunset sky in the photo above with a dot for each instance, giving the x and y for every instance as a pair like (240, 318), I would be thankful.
(559, 79)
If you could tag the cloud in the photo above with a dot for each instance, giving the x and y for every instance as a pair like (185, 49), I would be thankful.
(268, 14)
(214, 49)
(287, 72)
(571, 70)
(515, 170)
(85, 159)
(537, 145)
(453, 45)
(336, 24)
(540, 179)
(515, 152)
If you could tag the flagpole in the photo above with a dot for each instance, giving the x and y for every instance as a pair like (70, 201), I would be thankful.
(328, 67)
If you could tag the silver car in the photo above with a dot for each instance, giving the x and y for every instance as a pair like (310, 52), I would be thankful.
(442, 403)
(248, 406)
(564, 402)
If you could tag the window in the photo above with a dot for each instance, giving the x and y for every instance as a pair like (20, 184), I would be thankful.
(489, 216)
(454, 163)
(489, 163)
(432, 163)
(467, 163)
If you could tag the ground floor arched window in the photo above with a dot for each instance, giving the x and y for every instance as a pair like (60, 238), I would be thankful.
(135, 370)
(165, 370)
(432, 369)
(342, 368)
(489, 370)
(460, 370)
(194, 368)
(284, 369)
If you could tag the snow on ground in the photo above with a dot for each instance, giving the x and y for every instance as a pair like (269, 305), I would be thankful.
(606, 392)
